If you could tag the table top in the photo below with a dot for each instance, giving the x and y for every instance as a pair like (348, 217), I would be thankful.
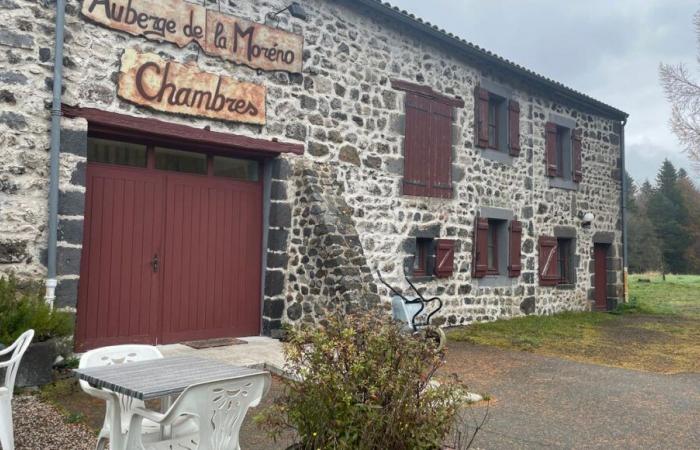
(161, 377)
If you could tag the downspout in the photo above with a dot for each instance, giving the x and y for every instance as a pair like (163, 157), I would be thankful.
(51, 281)
(625, 290)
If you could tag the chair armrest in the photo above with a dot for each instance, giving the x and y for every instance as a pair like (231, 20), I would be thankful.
(9, 349)
(102, 394)
(150, 415)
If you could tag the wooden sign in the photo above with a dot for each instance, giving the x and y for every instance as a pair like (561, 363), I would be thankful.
(148, 80)
(176, 21)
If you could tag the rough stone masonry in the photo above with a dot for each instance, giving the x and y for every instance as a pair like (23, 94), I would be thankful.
(337, 213)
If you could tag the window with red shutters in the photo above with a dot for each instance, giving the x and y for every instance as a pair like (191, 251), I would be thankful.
(428, 141)
(514, 128)
(480, 265)
(444, 258)
(548, 261)
(515, 231)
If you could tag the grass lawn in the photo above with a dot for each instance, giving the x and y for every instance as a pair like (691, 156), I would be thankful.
(658, 331)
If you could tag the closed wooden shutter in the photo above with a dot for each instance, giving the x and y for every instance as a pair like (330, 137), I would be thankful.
(551, 148)
(416, 150)
(548, 260)
(515, 241)
(444, 258)
(481, 117)
(576, 155)
(514, 128)
(441, 150)
(481, 257)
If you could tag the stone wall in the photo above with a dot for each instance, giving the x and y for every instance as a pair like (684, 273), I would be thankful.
(343, 108)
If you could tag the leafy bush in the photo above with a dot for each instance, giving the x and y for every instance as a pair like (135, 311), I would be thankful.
(364, 384)
(25, 308)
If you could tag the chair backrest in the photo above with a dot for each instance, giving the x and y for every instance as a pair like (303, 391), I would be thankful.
(18, 348)
(118, 354)
(220, 406)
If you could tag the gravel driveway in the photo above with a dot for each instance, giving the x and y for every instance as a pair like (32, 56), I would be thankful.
(548, 402)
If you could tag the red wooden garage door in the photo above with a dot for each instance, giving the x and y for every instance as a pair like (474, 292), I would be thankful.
(172, 246)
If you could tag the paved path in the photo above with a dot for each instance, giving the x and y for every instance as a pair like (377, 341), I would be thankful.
(258, 351)
(548, 402)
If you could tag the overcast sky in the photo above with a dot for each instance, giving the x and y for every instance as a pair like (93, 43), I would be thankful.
(610, 50)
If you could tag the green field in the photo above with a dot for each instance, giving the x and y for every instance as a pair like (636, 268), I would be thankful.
(659, 330)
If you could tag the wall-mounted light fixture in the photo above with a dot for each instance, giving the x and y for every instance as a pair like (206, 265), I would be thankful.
(295, 10)
(587, 218)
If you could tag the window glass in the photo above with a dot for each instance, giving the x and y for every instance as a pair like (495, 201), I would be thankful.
(421, 262)
(492, 242)
(240, 169)
(180, 161)
(493, 123)
(116, 152)
(564, 263)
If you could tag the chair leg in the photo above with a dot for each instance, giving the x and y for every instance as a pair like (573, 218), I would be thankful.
(101, 443)
(7, 439)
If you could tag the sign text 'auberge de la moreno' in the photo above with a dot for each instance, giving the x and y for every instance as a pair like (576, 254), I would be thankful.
(241, 41)
(148, 80)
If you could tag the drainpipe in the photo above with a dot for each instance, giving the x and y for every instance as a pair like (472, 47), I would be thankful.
(625, 290)
(51, 281)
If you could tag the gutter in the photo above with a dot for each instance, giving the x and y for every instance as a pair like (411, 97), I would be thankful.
(51, 281)
(625, 290)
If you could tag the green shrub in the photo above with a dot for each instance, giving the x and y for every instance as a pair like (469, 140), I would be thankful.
(364, 385)
(25, 308)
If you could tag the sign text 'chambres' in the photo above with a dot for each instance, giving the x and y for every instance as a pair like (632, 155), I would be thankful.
(148, 80)
(232, 38)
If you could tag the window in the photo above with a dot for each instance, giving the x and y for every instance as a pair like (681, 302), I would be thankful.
(497, 244)
(496, 114)
(423, 260)
(563, 151)
(495, 233)
(556, 261)
(497, 121)
(180, 161)
(564, 248)
(434, 257)
(115, 152)
(239, 169)
(427, 147)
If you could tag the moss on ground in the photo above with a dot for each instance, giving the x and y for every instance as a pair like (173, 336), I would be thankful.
(659, 330)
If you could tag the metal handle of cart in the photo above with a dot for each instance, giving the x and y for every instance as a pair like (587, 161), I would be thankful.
(420, 300)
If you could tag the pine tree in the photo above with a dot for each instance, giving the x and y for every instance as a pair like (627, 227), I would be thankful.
(669, 217)
(644, 248)
(691, 200)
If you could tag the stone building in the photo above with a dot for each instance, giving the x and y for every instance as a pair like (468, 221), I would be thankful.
(224, 170)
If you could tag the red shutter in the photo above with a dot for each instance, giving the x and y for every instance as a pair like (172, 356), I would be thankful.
(481, 117)
(416, 149)
(481, 250)
(551, 148)
(444, 258)
(514, 257)
(514, 128)
(548, 261)
(441, 150)
(576, 152)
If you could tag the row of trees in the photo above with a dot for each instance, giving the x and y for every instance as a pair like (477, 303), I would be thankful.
(664, 223)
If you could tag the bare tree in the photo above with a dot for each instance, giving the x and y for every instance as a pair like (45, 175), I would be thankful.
(683, 92)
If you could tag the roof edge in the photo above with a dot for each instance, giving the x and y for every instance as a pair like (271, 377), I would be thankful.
(564, 93)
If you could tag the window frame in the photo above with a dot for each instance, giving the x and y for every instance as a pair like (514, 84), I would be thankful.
(498, 229)
(494, 247)
(421, 262)
(501, 96)
(564, 177)
(565, 257)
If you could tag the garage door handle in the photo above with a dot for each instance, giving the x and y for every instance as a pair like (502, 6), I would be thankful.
(154, 263)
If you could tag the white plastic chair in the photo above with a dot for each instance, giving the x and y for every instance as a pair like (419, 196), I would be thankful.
(217, 408)
(11, 366)
(119, 408)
